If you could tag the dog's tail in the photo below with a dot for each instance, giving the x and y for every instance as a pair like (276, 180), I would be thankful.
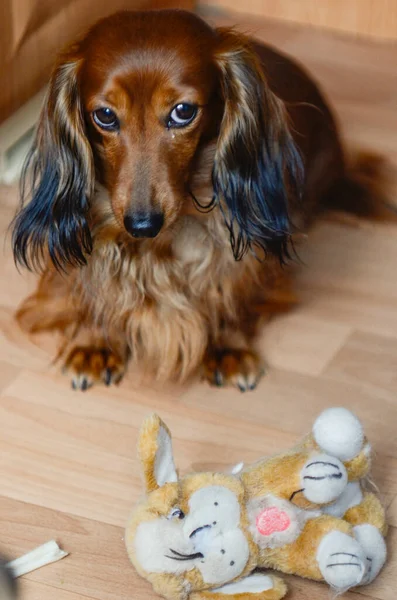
(366, 189)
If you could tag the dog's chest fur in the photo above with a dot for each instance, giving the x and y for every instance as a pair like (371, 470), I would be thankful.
(167, 303)
(197, 271)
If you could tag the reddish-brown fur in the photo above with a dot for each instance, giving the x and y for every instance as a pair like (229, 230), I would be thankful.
(180, 300)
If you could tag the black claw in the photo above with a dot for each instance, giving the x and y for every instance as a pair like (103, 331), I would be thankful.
(241, 387)
(74, 386)
(252, 386)
(84, 384)
(218, 379)
(108, 376)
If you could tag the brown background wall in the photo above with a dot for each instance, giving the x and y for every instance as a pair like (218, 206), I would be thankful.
(375, 18)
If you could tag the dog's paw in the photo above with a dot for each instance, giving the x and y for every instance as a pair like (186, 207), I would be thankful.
(87, 365)
(232, 366)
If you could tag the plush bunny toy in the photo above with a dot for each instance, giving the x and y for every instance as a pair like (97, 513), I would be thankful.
(304, 512)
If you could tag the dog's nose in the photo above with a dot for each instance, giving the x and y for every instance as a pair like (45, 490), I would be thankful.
(144, 225)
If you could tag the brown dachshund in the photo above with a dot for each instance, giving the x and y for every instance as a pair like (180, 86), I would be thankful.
(173, 165)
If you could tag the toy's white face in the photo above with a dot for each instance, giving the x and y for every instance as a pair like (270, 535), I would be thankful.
(208, 537)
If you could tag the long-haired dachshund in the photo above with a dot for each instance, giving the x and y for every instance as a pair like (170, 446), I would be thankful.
(173, 164)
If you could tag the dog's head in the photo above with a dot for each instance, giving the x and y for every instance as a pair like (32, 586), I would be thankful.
(193, 528)
(133, 106)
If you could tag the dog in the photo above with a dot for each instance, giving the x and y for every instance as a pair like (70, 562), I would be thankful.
(174, 167)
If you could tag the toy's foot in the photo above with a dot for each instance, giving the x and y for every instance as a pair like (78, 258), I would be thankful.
(88, 365)
(338, 432)
(232, 366)
(341, 560)
(323, 479)
(253, 587)
(374, 546)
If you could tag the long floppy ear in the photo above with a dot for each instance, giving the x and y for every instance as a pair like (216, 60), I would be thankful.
(58, 177)
(257, 170)
(155, 454)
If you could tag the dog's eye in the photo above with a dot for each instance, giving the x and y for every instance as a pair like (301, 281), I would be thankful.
(105, 118)
(181, 115)
(176, 513)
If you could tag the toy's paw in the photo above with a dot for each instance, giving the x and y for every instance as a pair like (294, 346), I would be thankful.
(256, 585)
(323, 479)
(341, 560)
(338, 432)
(87, 365)
(374, 546)
(232, 366)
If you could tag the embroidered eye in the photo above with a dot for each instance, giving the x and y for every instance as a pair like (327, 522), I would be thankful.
(105, 118)
(181, 115)
(176, 513)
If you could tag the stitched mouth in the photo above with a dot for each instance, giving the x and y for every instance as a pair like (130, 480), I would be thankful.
(295, 493)
(199, 529)
(182, 557)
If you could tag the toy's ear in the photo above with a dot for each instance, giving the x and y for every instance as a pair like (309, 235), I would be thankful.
(155, 453)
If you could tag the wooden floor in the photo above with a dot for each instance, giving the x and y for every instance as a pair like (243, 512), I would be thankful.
(68, 468)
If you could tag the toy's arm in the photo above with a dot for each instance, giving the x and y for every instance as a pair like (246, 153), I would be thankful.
(169, 586)
(307, 478)
(253, 587)
(318, 470)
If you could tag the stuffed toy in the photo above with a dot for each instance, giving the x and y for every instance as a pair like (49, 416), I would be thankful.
(306, 512)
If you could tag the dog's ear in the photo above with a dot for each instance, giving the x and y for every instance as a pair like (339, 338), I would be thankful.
(155, 453)
(58, 178)
(257, 170)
